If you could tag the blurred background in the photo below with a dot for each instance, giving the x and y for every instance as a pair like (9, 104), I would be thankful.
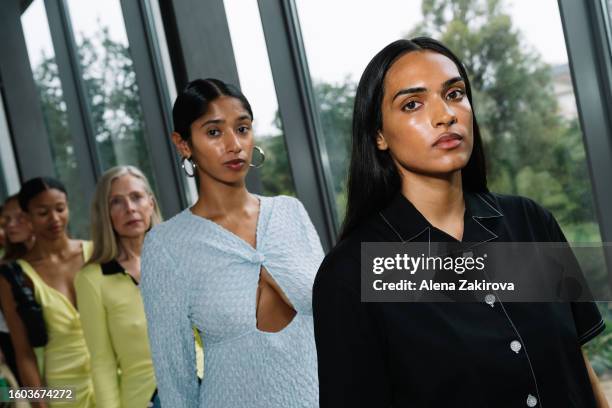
(87, 85)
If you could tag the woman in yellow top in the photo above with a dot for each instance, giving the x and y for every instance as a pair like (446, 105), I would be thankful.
(123, 210)
(50, 267)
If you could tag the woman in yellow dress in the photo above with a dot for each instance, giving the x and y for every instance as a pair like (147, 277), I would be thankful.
(123, 210)
(50, 267)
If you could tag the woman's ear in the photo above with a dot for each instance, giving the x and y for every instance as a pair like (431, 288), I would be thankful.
(381, 143)
(181, 145)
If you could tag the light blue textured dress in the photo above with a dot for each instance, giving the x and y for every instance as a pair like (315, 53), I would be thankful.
(196, 273)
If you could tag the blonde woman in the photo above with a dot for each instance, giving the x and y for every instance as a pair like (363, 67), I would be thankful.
(123, 210)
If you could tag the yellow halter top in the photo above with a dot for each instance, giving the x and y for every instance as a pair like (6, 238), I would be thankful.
(66, 359)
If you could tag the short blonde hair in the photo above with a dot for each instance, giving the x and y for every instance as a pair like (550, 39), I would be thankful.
(105, 242)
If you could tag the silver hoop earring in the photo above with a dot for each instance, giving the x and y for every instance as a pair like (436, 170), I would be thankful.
(263, 157)
(189, 167)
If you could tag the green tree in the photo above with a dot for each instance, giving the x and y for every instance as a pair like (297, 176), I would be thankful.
(114, 102)
(276, 177)
(53, 106)
(114, 108)
(335, 103)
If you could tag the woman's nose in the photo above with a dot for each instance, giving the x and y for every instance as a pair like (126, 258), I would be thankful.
(443, 115)
(233, 142)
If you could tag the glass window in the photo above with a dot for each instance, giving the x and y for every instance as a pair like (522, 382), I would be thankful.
(9, 179)
(607, 8)
(257, 84)
(523, 94)
(44, 68)
(110, 82)
(159, 35)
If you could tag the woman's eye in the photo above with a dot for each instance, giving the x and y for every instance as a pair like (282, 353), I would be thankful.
(213, 132)
(411, 105)
(455, 94)
(244, 129)
(136, 197)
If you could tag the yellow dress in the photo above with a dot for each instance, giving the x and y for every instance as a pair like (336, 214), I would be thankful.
(66, 359)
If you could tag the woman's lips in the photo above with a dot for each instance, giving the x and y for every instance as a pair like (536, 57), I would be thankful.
(56, 228)
(448, 141)
(235, 165)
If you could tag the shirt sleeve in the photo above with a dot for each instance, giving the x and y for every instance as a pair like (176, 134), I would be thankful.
(95, 329)
(351, 364)
(587, 318)
(169, 326)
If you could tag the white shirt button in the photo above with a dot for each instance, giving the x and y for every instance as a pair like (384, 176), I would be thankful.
(516, 346)
(531, 401)
(490, 299)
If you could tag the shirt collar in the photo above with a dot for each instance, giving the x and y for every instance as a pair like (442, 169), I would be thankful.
(481, 215)
(113, 267)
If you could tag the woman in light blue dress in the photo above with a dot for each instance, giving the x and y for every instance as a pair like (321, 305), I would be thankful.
(237, 267)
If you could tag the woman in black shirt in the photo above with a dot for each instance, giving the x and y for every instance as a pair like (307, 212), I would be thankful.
(417, 174)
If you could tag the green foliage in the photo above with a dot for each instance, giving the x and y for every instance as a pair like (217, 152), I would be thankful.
(56, 121)
(599, 350)
(114, 108)
(335, 103)
(114, 102)
(275, 173)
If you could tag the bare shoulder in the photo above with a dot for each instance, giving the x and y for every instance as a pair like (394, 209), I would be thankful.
(77, 247)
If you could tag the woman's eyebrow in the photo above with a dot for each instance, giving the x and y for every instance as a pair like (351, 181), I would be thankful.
(212, 121)
(408, 91)
(451, 81)
(414, 90)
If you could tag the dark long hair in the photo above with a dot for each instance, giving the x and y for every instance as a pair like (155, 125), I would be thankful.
(12, 250)
(194, 100)
(34, 187)
(373, 177)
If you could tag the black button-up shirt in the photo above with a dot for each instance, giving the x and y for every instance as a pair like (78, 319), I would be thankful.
(480, 354)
